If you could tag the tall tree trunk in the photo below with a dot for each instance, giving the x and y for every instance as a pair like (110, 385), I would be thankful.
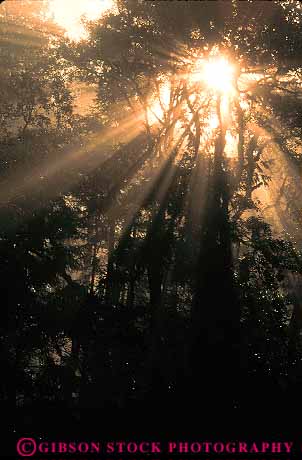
(295, 325)
(109, 284)
(94, 266)
(154, 364)
(213, 357)
(132, 275)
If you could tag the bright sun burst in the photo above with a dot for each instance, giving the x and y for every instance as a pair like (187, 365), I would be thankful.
(216, 73)
(210, 77)
(68, 13)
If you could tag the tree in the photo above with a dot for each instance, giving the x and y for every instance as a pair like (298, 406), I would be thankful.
(187, 273)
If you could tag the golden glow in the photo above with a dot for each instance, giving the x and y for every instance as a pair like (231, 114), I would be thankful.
(68, 14)
(216, 73)
(158, 107)
(213, 122)
(231, 144)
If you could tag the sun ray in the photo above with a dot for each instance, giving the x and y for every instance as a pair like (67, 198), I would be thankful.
(271, 196)
(92, 152)
(160, 104)
(160, 180)
(68, 14)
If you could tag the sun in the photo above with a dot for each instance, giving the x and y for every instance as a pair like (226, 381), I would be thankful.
(216, 73)
(68, 14)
